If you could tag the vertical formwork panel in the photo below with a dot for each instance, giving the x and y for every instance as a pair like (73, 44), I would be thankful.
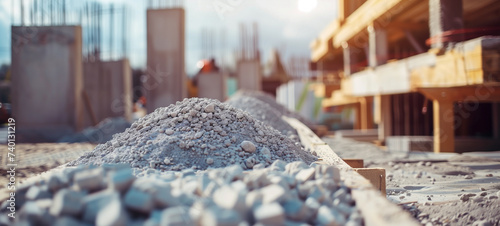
(47, 81)
(166, 80)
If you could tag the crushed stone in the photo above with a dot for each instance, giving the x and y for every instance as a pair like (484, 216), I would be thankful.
(196, 133)
(276, 195)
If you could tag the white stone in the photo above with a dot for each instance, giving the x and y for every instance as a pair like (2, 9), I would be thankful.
(220, 217)
(228, 198)
(305, 174)
(113, 214)
(273, 193)
(327, 216)
(95, 202)
(176, 216)
(270, 214)
(121, 179)
(67, 202)
(89, 179)
(139, 200)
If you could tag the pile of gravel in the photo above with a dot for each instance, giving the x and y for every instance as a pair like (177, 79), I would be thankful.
(100, 133)
(262, 111)
(196, 133)
(282, 194)
(268, 99)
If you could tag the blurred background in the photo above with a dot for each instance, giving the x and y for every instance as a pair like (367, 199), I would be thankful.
(407, 74)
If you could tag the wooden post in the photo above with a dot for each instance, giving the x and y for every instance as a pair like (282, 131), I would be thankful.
(444, 134)
(366, 112)
(357, 119)
(385, 126)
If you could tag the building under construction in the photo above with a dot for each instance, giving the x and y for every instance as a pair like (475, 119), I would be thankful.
(426, 72)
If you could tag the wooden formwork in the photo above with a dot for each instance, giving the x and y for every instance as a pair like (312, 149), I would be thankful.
(374, 206)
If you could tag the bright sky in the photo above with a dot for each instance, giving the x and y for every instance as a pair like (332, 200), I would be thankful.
(287, 25)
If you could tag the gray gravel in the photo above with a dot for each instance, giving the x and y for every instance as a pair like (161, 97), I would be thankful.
(197, 133)
(281, 194)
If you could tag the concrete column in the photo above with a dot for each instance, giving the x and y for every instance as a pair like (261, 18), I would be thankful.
(444, 15)
(444, 133)
(47, 81)
(166, 78)
(385, 125)
(378, 49)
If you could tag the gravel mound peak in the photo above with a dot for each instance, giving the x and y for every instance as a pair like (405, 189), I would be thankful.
(262, 111)
(196, 133)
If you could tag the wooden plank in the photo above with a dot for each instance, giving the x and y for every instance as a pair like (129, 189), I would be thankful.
(367, 14)
(355, 163)
(376, 176)
(374, 206)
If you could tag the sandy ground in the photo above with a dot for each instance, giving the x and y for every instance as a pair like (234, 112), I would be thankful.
(438, 189)
(431, 186)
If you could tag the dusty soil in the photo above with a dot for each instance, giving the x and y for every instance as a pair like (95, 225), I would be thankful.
(437, 189)
(33, 159)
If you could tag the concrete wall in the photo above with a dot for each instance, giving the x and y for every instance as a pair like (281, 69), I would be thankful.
(249, 75)
(212, 85)
(108, 86)
(166, 79)
(46, 81)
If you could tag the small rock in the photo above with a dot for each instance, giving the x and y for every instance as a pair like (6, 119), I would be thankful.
(210, 161)
(139, 200)
(482, 223)
(112, 214)
(327, 216)
(248, 146)
(89, 179)
(305, 174)
(121, 180)
(210, 108)
(273, 193)
(270, 214)
(67, 202)
(176, 216)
